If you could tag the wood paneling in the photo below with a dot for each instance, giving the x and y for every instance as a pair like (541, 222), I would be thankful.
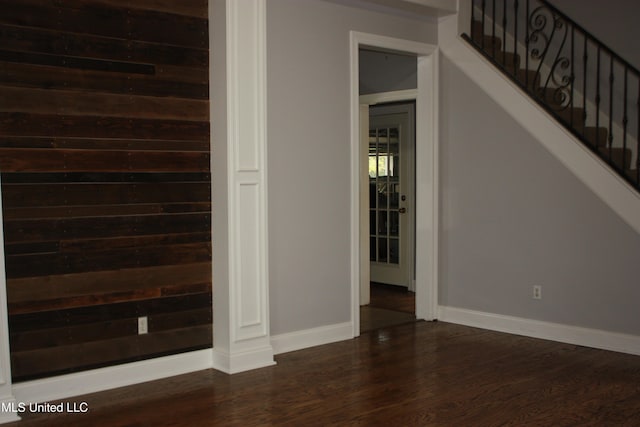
(104, 153)
(64, 102)
(88, 17)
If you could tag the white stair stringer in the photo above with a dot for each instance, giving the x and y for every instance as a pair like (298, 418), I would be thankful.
(591, 170)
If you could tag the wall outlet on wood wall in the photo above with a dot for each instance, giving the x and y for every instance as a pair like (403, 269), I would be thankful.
(143, 327)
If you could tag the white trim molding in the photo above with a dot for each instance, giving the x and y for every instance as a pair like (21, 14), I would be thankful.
(299, 340)
(595, 338)
(394, 96)
(427, 225)
(65, 386)
(243, 340)
(6, 391)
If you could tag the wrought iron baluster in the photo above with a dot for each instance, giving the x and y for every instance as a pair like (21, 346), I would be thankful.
(611, 109)
(515, 38)
(484, 8)
(526, 57)
(493, 30)
(584, 88)
(625, 120)
(473, 18)
(598, 97)
(539, 21)
(573, 75)
(504, 33)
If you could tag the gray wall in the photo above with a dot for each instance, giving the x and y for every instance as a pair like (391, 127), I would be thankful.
(514, 217)
(387, 72)
(308, 155)
(219, 196)
(614, 22)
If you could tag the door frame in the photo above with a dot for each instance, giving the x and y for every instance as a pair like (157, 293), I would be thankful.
(426, 203)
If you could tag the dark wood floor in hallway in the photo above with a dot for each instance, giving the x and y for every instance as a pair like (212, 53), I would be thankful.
(417, 374)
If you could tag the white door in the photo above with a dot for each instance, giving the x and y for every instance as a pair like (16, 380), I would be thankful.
(391, 194)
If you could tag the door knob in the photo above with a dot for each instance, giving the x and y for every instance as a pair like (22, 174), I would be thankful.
(402, 210)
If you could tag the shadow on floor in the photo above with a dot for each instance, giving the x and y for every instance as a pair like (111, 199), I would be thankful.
(390, 306)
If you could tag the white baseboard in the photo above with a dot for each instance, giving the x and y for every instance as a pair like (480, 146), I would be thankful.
(594, 338)
(242, 361)
(311, 337)
(96, 380)
(8, 410)
(66, 386)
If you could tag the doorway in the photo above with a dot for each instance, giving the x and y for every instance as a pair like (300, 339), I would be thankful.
(390, 148)
(426, 155)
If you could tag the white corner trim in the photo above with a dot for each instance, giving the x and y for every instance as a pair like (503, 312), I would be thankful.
(299, 340)
(595, 338)
(65, 386)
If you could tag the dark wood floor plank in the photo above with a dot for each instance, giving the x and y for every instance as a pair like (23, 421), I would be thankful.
(36, 40)
(129, 242)
(73, 62)
(63, 102)
(31, 289)
(60, 160)
(98, 298)
(90, 17)
(92, 228)
(21, 124)
(102, 211)
(391, 297)
(123, 144)
(180, 82)
(24, 322)
(421, 374)
(35, 265)
(103, 177)
(90, 194)
(195, 8)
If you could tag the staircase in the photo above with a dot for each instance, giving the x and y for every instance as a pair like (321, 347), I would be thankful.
(579, 81)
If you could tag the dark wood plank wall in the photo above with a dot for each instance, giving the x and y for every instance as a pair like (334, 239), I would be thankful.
(104, 154)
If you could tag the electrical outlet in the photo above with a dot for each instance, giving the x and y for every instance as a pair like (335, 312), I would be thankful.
(143, 327)
(537, 292)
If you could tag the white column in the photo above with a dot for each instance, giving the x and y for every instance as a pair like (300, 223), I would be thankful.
(244, 343)
(7, 401)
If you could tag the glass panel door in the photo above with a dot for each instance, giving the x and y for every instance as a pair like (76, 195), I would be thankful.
(391, 194)
(384, 191)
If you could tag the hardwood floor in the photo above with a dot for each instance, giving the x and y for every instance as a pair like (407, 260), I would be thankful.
(417, 374)
(394, 298)
(389, 306)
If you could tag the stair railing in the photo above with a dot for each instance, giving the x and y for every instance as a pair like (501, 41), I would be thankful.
(586, 86)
